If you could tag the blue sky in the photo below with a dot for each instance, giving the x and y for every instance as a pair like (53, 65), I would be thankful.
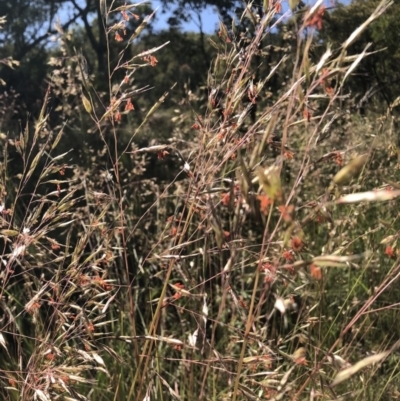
(209, 18)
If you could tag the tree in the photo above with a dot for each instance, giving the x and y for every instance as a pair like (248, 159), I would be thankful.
(378, 75)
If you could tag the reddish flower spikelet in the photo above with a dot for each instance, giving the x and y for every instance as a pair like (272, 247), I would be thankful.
(288, 154)
(225, 198)
(91, 327)
(221, 135)
(270, 272)
(389, 251)
(55, 246)
(161, 154)
(338, 158)
(278, 6)
(242, 303)
(307, 115)
(267, 267)
(301, 361)
(12, 383)
(125, 15)
(329, 91)
(264, 203)
(267, 360)
(297, 244)
(33, 308)
(316, 272)
(315, 20)
(178, 294)
(287, 212)
(227, 39)
(84, 280)
(151, 60)
(288, 255)
(102, 283)
(129, 105)
(324, 81)
(118, 37)
(324, 73)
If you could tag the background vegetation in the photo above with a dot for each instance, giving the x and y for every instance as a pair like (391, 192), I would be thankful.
(190, 216)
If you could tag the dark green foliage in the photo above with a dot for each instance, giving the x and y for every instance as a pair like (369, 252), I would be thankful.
(376, 81)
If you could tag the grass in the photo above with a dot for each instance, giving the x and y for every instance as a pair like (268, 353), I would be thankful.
(262, 265)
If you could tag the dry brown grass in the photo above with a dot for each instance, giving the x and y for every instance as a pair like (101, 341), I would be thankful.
(227, 281)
